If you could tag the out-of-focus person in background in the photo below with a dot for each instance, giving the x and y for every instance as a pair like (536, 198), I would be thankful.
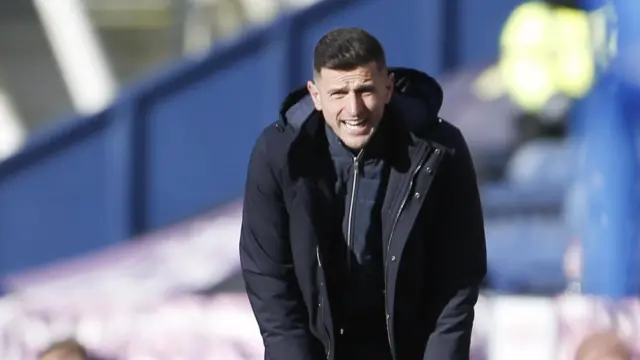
(362, 233)
(69, 349)
(603, 346)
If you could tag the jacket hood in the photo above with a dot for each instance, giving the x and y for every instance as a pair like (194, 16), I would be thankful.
(417, 96)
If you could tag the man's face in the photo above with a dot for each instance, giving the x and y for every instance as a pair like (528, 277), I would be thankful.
(353, 101)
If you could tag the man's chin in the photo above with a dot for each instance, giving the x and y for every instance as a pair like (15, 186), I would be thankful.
(356, 142)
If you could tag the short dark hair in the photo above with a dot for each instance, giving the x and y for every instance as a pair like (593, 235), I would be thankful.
(347, 49)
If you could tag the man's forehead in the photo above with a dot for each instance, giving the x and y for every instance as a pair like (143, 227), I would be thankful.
(349, 78)
(359, 72)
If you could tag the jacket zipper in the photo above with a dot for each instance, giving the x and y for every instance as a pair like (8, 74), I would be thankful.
(322, 306)
(352, 205)
(386, 263)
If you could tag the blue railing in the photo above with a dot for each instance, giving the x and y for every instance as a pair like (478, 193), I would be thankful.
(178, 144)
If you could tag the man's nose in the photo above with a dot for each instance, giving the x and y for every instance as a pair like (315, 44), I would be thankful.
(355, 105)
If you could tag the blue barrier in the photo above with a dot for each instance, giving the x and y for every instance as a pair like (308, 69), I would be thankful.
(610, 118)
(178, 144)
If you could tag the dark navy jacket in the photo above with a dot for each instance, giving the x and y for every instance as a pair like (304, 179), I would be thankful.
(357, 304)
(434, 255)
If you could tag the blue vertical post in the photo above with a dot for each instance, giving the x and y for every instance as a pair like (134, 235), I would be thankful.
(609, 168)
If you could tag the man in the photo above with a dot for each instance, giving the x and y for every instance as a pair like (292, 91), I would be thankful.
(362, 234)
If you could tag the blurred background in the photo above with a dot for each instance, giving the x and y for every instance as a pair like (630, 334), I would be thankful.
(126, 128)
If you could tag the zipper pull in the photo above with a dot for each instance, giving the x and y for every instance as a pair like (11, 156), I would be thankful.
(356, 160)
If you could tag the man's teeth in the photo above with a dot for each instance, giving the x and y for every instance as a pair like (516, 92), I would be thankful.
(355, 123)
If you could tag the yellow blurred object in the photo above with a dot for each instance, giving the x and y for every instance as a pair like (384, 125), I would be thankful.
(526, 28)
(527, 81)
(547, 50)
(573, 71)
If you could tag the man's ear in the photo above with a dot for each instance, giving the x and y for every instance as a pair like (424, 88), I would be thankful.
(391, 84)
(315, 94)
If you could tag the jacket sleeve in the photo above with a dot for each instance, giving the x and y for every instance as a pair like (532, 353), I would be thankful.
(451, 338)
(267, 265)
